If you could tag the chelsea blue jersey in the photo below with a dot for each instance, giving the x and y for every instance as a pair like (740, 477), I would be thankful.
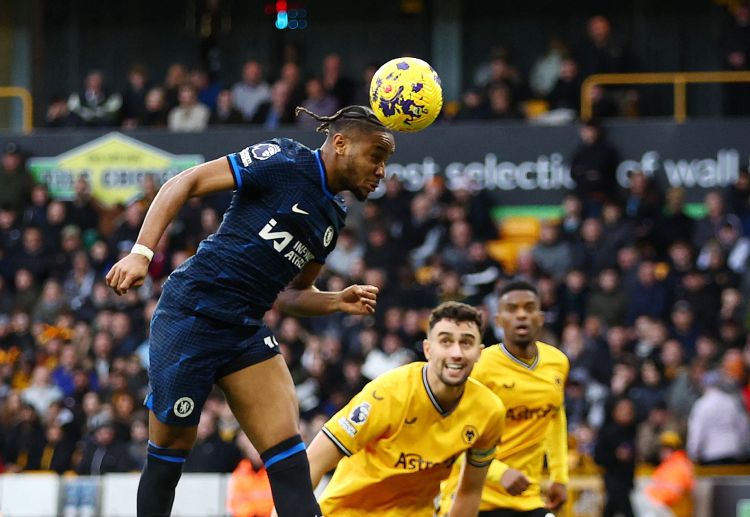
(281, 217)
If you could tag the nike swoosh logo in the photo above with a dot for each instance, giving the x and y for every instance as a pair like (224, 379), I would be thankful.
(296, 209)
(509, 386)
(375, 395)
(410, 421)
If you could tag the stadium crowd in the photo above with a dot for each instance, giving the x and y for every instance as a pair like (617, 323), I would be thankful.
(647, 303)
(192, 99)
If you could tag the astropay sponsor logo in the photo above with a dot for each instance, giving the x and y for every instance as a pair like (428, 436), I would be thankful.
(552, 172)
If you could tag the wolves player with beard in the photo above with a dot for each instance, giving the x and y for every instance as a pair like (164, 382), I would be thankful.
(208, 327)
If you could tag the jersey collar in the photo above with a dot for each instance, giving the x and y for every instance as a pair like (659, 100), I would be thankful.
(323, 175)
(431, 395)
(517, 360)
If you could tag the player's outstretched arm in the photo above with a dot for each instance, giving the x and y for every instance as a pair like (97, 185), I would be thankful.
(469, 493)
(323, 456)
(206, 178)
(302, 298)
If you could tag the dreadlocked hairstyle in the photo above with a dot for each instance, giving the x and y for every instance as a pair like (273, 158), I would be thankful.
(349, 117)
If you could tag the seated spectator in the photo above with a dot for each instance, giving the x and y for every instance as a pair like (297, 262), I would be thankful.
(175, 77)
(473, 106)
(134, 96)
(318, 101)
(252, 91)
(500, 103)
(278, 110)
(41, 393)
(16, 182)
(102, 453)
(189, 115)
(337, 85)
(95, 105)
(59, 115)
(566, 92)
(210, 453)
(224, 112)
(155, 112)
(206, 89)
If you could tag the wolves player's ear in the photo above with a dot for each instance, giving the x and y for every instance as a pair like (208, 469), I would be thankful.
(426, 348)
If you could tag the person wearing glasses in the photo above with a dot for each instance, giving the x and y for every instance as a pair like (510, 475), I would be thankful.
(208, 328)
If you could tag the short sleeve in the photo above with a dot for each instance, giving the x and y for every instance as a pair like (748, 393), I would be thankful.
(367, 417)
(259, 167)
(482, 451)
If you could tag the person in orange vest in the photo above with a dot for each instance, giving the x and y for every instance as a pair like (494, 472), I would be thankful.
(670, 491)
(249, 491)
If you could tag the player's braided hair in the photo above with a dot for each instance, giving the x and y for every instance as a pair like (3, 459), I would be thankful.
(455, 311)
(354, 117)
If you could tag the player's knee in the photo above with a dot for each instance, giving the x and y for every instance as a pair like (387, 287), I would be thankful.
(176, 456)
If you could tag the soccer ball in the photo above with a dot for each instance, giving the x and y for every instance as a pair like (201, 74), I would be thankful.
(406, 95)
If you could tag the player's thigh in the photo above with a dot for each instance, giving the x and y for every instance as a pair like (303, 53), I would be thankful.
(263, 400)
(170, 436)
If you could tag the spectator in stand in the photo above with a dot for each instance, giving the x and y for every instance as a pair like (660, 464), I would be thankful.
(659, 421)
(473, 106)
(15, 182)
(716, 217)
(317, 101)
(210, 453)
(252, 91)
(566, 91)
(57, 455)
(278, 110)
(551, 255)
(224, 112)
(643, 206)
(41, 393)
(718, 428)
(608, 300)
(593, 167)
(615, 452)
(732, 244)
(603, 53)
(292, 75)
(102, 453)
(82, 209)
(155, 112)
(547, 69)
(175, 77)
(127, 230)
(337, 85)
(189, 115)
(500, 103)
(59, 115)
(737, 199)
(24, 443)
(207, 90)
(134, 96)
(95, 105)
(734, 46)
(675, 224)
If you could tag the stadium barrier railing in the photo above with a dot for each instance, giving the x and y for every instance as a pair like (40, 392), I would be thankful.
(678, 80)
(27, 104)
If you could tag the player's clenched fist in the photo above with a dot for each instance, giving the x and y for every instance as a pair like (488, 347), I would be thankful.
(128, 272)
(514, 481)
(358, 299)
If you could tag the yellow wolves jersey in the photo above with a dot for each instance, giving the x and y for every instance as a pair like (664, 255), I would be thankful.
(535, 424)
(400, 444)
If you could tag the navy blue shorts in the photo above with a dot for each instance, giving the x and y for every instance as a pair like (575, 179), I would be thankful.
(188, 352)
